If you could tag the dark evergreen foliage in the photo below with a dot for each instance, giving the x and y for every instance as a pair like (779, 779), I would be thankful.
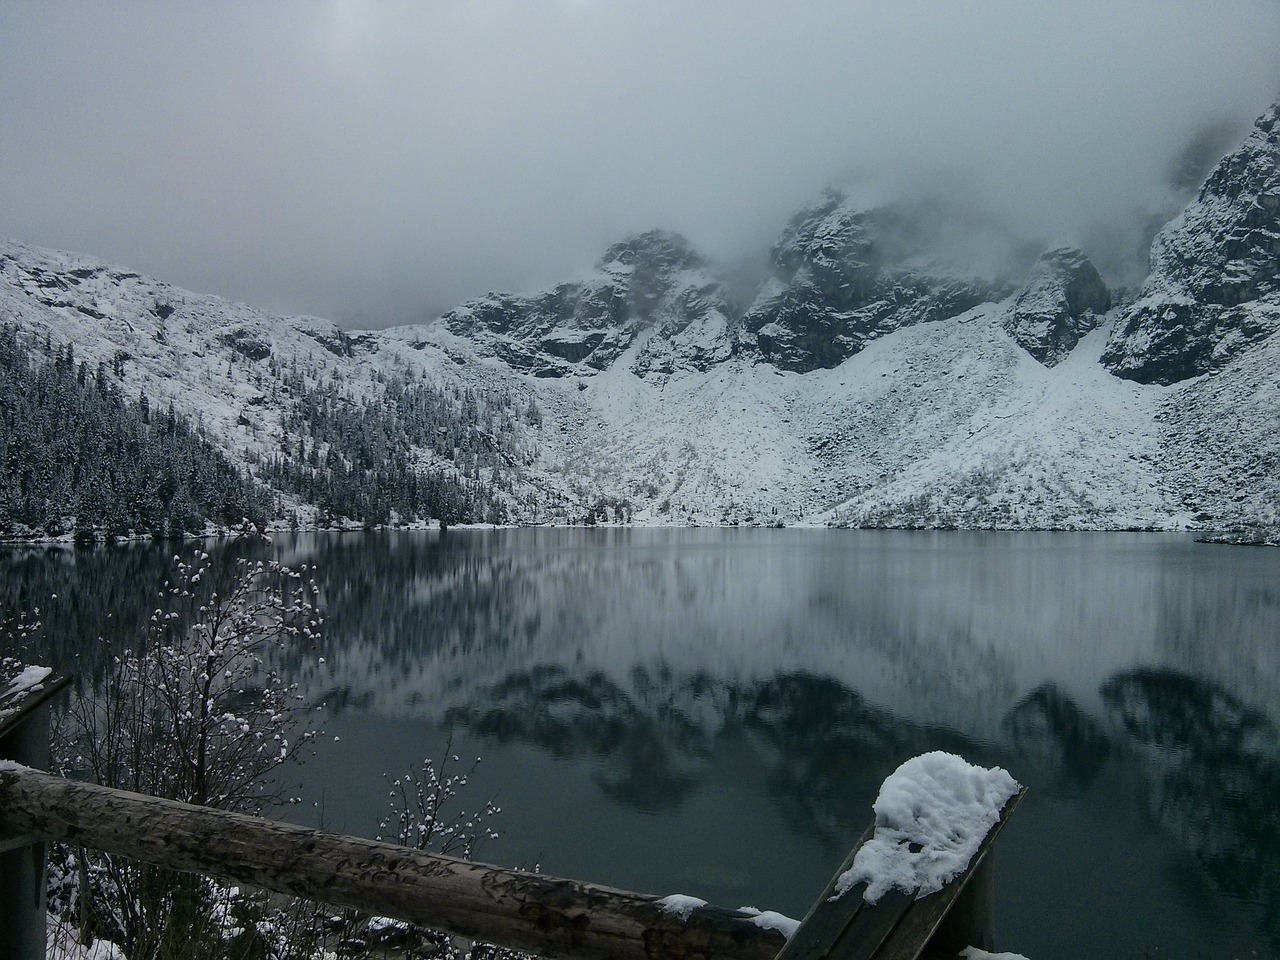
(418, 451)
(76, 455)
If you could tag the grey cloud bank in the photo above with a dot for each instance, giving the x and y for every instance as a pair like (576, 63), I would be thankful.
(378, 162)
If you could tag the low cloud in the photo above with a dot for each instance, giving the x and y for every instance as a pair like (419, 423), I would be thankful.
(378, 162)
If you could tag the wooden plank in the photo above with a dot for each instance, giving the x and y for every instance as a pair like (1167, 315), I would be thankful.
(919, 924)
(896, 927)
(935, 921)
(873, 925)
(525, 911)
(827, 917)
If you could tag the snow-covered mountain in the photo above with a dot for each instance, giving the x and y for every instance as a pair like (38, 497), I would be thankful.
(651, 292)
(874, 379)
(845, 275)
(1214, 287)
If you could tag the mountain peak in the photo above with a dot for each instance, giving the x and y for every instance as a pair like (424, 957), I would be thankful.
(662, 250)
(1062, 300)
(847, 274)
(1214, 286)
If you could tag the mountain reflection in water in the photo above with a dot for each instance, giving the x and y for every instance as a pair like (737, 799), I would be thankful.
(713, 711)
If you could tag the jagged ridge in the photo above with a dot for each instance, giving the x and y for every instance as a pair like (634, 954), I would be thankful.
(872, 381)
(1214, 287)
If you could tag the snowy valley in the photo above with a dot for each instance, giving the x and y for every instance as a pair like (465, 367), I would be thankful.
(868, 381)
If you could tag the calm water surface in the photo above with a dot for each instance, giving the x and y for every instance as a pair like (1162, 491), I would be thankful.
(711, 712)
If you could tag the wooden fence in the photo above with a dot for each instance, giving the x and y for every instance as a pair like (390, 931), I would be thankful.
(525, 911)
(24, 738)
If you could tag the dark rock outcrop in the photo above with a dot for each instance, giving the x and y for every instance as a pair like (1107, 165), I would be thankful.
(1063, 300)
(844, 277)
(1214, 286)
(649, 285)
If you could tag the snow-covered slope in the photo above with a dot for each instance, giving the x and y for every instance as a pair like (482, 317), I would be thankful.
(238, 373)
(206, 355)
(651, 289)
(946, 424)
(868, 383)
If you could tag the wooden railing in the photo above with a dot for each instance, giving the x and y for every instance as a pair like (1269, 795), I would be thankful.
(24, 738)
(525, 911)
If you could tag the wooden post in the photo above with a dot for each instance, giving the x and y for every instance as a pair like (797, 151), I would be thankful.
(971, 920)
(24, 738)
(525, 911)
(900, 926)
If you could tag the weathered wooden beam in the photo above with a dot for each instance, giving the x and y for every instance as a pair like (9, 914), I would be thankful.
(525, 911)
(24, 738)
(961, 914)
(899, 926)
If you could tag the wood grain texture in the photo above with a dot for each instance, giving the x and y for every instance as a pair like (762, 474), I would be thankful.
(531, 912)
(828, 916)
(899, 926)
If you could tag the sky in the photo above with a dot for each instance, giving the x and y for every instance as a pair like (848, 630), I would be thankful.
(379, 161)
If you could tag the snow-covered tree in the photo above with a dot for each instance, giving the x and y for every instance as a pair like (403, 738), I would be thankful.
(196, 713)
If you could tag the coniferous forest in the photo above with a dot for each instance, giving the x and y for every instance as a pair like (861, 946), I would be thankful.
(363, 459)
(77, 456)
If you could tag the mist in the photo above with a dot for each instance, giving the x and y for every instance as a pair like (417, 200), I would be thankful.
(380, 162)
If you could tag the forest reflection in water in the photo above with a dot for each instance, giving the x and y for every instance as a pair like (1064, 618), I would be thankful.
(712, 711)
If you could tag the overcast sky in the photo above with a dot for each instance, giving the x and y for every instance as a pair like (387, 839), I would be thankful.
(377, 162)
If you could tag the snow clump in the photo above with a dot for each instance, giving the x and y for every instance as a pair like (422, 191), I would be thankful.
(931, 816)
(772, 920)
(29, 679)
(680, 906)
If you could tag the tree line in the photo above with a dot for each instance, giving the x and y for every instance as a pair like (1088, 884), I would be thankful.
(77, 456)
(414, 451)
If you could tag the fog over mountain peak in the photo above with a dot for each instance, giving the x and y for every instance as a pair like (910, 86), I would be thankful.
(386, 162)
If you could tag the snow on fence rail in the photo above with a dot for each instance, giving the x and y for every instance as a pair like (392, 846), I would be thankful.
(525, 911)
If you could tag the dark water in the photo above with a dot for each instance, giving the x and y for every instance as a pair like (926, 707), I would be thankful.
(711, 712)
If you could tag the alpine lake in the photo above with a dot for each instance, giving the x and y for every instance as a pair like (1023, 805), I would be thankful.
(711, 711)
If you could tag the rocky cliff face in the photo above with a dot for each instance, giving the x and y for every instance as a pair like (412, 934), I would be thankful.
(1063, 300)
(844, 277)
(1214, 287)
(650, 288)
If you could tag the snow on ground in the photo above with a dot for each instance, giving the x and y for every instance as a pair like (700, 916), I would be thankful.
(931, 816)
(62, 944)
(942, 424)
(684, 448)
(968, 430)
(1221, 437)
